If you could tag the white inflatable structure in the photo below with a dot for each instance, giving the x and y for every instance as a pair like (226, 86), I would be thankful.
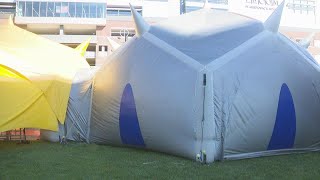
(209, 84)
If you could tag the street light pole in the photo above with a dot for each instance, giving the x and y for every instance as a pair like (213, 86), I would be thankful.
(182, 6)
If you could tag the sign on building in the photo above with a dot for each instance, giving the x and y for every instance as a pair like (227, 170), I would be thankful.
(259, 9)
(261, 4)
(296, 13)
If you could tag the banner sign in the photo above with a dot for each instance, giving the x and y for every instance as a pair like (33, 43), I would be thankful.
(257, 9)
(261, 4)
(295, 14)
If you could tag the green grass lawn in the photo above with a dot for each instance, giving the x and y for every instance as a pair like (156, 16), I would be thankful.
(41, 160)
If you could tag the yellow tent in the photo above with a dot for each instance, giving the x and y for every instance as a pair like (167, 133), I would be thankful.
(35, 79)
(82, 48)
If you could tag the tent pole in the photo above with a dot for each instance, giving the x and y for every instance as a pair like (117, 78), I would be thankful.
(20, 135)
(24, 133)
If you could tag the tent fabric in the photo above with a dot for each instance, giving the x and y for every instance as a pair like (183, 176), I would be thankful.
(224, 87)
(49, 67)
(21, 100)
(82, 48)
(79, 107)
(8, 72)
(151, 95)
(114, 44)
(266, 105)
(14, 88)
(207, 39)
(76, 127)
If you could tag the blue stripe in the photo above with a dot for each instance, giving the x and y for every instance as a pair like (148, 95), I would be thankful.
(284, 131)
(128, 120)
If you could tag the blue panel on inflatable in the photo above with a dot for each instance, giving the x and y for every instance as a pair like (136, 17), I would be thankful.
(284, 131)
(128, 120)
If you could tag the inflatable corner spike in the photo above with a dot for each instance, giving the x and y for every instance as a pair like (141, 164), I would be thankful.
(82, 48)
(273, 22)
(141, 25)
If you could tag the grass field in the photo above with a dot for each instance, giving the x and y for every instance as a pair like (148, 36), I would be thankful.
(41, 160)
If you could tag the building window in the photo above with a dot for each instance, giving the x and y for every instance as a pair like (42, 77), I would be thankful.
(21, 9)
(61, 9)
(50, 9)
(192, 8)
(64, 11)
(93, 10)
(57, 11)
(101, 10)
(35, 9)
(72, 9)
(316, 43)
(85, 10)
(219, 1)
(112, 12)
(29, 9)
(120, 11)
(43, 9)
(8, 8)
(302, 6)
(122, 32)
(103, 48)
(125, 13)
(78, 10)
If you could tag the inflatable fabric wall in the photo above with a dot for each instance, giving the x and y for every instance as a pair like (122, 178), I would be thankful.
(223, 87)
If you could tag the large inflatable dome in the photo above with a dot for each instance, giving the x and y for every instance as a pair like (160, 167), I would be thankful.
(209, 84)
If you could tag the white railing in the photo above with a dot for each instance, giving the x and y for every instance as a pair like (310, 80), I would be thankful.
(71, 39)
(90, 55)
